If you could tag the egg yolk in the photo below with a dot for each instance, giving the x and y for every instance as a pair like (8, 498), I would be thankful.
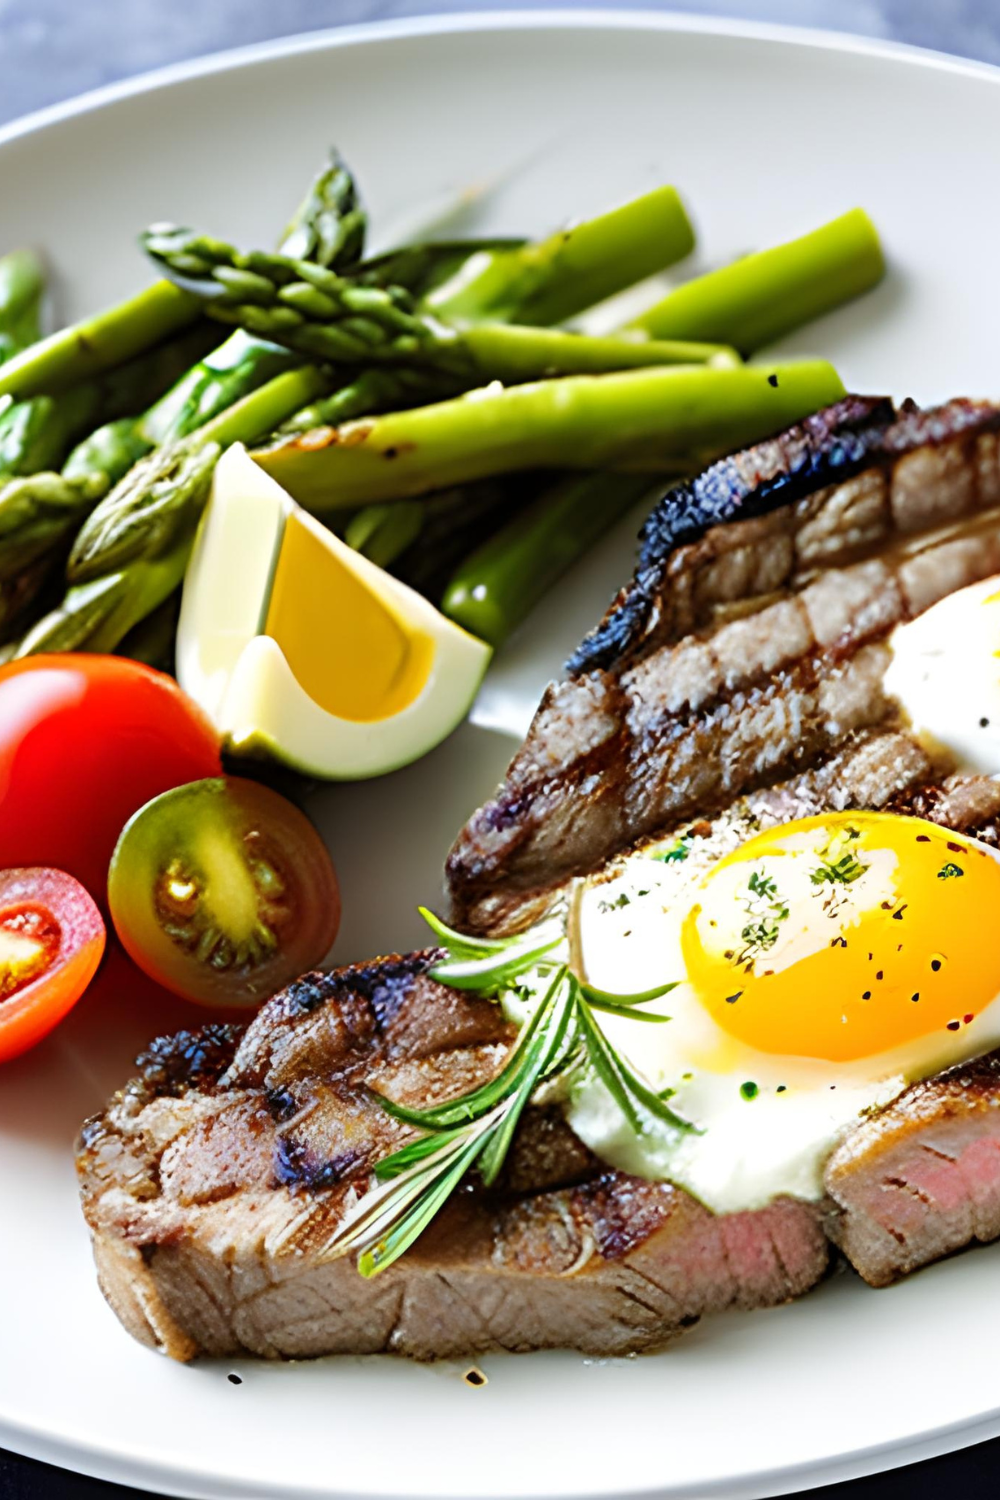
(847, 935)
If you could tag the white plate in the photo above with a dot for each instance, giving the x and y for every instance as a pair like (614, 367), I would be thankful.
(768, 133)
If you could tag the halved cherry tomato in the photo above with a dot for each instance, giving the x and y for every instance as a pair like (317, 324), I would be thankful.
(222, 891)
(51, 942)
(84, 741)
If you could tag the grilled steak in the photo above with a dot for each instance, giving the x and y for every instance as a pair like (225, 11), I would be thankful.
(744, 651)
(215, 1179)
(738, 677)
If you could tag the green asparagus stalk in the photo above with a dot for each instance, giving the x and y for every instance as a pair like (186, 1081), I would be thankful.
(556, 278)
(373, 391)
(41, 512)
(763, 296)
(422, 268)
(328, 228)
(329, 225)
(143, 542)
(22, 284)
(98, 343)
(672, 419)
(35, 433)
(451, 524)
(383, 532)
(38, 518)
(495, 588)
(329, 317)
(130, 554)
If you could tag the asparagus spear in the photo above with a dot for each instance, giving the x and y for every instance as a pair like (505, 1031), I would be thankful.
(96, 344)
(763, 296)
(39, 512)
(130, 555)
(329, 317)
(382, 532)
(452, 523)
(36, 432)
(554, 279)
(370, 391)
(674, 418)
(38, 517)
(501, 582)
(22, 283)
(422, 268)
(328, 228)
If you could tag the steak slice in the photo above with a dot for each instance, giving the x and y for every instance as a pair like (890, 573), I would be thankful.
(215, 1179)
(744, 652)
(922, 1178)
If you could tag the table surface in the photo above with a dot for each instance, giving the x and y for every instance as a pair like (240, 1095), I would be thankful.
(53, 49)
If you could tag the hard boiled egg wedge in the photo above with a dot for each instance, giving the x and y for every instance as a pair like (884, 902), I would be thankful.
(301, 650)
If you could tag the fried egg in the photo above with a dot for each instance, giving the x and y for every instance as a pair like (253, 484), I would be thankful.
(824, 965)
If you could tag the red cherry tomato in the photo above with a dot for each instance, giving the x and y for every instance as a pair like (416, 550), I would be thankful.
(51, 942)
(84, 741)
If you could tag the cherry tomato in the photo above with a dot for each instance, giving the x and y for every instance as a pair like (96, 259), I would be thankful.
(222, 891)
(51, 942)
(84, 741)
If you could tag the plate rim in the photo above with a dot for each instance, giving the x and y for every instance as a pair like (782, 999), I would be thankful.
(178, 1478)
(443, 23)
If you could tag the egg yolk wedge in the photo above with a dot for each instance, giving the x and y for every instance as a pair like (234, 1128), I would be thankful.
(302, 650)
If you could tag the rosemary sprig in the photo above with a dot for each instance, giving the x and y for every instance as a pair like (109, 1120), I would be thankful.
(476, 1129)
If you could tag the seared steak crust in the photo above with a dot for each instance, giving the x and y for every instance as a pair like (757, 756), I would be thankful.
(824, 449)
(214, 1180)
(761, 650)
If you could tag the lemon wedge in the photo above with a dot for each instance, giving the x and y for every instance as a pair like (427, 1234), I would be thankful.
(301, 650)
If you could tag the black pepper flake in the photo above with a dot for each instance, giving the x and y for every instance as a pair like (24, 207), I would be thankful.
(772, 380)
(956, 848)
(870, 957)
(780, 1089)
(915, 997)
(954, 1025)
(923, 838)
(732, 999)
(935, 964)
(886, 905)
(234, 1379)
(838, 942)
(897, 916)
(867, 995)
(475, 1377)
(984, 723)
(729, 953)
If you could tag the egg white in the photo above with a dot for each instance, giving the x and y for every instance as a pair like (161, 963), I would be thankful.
(765, 1124)
(945, 673)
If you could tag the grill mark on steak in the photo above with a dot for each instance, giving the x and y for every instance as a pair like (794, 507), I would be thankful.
(714, 702)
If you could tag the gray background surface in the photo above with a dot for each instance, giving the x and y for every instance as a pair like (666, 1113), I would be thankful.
(53, 49)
